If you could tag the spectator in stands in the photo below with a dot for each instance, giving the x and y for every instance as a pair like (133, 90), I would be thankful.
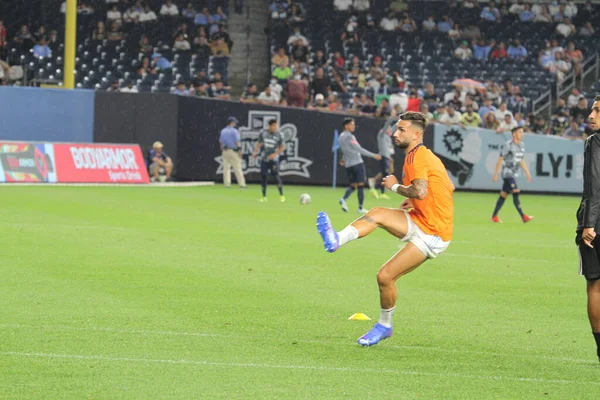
(202, 90)
(268, 97)
(320, 83)
(320, 60)
(114, 14)
(299, 68)
(389, 23)
(200, 78)
(128, 87)
(3, 35)
(518, 104)
(526, 15)
(182, 29)
(445, 24)
(455, 32)
(517, 51)
(219, 91)
(132, 15)
(574, 132)
(581, 109)
(84, 8)
(562, 64)
(297, 90)
(490, 13)
(486, 108)
(203, 18)
(282, 72)
(181, 89)
(481, 50)
(470, 118)
(506, 124)
(470, 4)
(408, 25)
(561, 107)
(499, 51)
(368, 108)
(200, 42)
(115, 33)
(169, 9)
(41, 50)
(182, 44)
(296, 15)
(222, 34)
(576, 58)
(463, 52)
(361, 5)
(24, 38)
(502, 111)
(566, 28)
(573, 98)
(383, 110)
(319, 103)
(540, 126)
(189, 12)
(521, 122)
(159, 160)
(337, 83)
(53, 42)
(276, 87)
(218, 47)
(300, 51)
(431, 98)
(587, 30)
(398, 6)
(490, 121)
(297, 36)
(40, 33)
(516, 7)
(335, 103)
(559, 124)
(219, 17)
(342, 5)
(147, 15)
(160, 62)
(541, 14)
(424, 110)
(279, 57)
(429, 24)
(451, 117)
(100, 30)
(250, 95)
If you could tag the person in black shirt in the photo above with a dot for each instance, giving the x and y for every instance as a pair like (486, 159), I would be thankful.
(588, 223)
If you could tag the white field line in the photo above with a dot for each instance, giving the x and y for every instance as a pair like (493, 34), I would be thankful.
(248, 337)
(204, 363)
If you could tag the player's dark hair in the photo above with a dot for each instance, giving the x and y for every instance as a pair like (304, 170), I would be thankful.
(516, 128)
(348, 121)
(597, 98)
(272, 121)
(415, 118)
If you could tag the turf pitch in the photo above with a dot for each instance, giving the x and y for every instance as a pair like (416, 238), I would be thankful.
(207, 293)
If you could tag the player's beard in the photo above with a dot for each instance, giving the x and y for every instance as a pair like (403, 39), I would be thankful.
(401, 145)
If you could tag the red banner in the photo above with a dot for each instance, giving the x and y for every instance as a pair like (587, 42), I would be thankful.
(71, 163)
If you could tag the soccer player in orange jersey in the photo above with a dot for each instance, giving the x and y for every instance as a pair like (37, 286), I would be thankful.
(423, 221)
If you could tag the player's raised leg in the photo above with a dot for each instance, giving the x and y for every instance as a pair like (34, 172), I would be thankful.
(392, 220)
(593, 308)
(403, 262)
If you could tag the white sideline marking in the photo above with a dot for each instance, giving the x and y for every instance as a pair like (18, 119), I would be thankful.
(323, 342)
(297, 367)
(154, 184)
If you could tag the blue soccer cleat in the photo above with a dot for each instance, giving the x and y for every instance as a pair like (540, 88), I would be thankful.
(375, 335)
(331, 240)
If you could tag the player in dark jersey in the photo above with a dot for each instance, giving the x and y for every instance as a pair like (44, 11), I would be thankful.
(588, 223)
(271, 145)
(511, 160)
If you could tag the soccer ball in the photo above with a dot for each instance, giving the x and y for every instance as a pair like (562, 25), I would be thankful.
(304, 198)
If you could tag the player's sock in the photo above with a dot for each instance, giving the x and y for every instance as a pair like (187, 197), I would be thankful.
(263, 183)
(499, 205)
(347, 234)
(280, 190)
(518, 204)
(597, 338)
(385, 318)
(361, 196)
(349, 191)
(381, 187)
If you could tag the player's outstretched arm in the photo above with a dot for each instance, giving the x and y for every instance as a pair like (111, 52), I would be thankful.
(416, 190)
(526, 169)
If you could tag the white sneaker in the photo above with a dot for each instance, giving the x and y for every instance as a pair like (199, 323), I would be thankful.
(344, 205)
(362, 211)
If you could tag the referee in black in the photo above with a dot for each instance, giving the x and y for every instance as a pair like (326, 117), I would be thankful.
(588, 223)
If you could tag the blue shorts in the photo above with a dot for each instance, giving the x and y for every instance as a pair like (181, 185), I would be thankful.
(510, 185)
(384, 166)
(356, 174)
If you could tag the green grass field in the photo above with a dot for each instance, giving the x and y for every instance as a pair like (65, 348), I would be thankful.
(148, 293)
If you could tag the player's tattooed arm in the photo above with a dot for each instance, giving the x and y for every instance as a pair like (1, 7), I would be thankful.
(417, 189)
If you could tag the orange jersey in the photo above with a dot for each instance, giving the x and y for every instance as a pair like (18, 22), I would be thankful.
(433, 214)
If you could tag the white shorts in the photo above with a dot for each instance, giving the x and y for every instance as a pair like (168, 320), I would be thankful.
(431, 246)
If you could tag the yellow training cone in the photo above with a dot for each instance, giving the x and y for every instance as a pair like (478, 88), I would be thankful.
(359, 317)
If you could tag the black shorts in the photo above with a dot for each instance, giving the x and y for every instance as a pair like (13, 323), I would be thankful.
(589, 258)
(271, 166)
(356, 174)
(384, 166)
(510, 185)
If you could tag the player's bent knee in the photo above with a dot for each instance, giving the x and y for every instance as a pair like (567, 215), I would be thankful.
(384, 279)
(503, 194)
